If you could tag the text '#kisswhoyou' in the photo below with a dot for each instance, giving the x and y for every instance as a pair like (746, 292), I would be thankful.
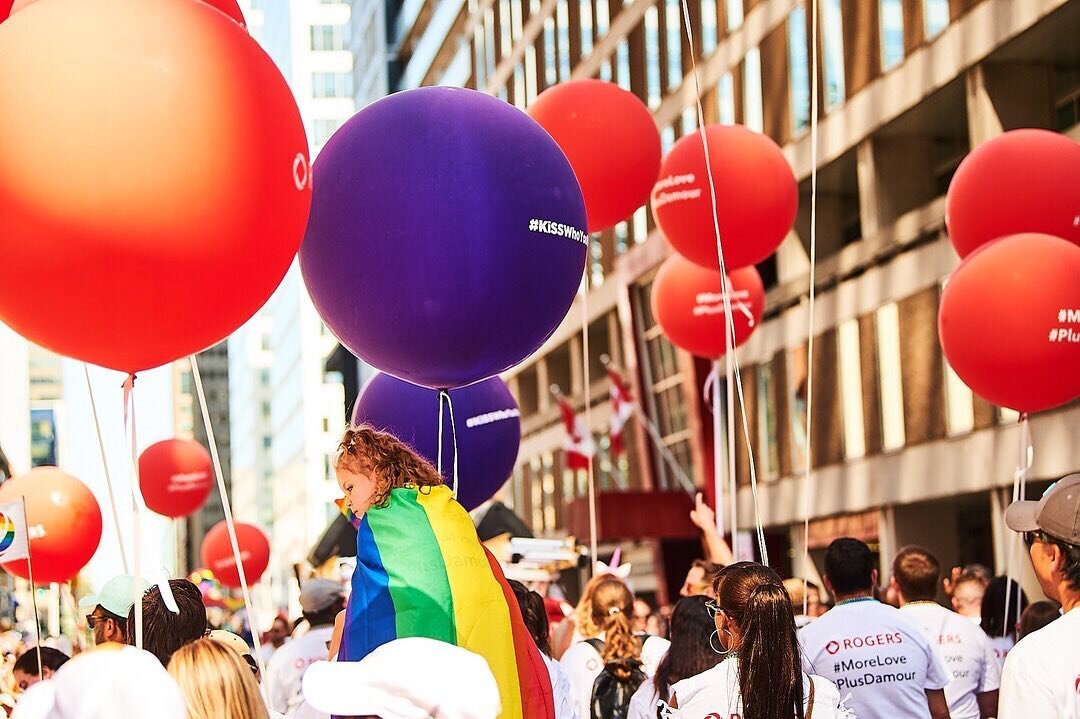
(558, 229)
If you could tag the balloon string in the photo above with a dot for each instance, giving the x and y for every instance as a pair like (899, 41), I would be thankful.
(590, 472)
(105, 465)
(129, 424)
(725, 290)
(808, 476)
(1019, 488)
(438, 433)
(453, 436)
(226, 507)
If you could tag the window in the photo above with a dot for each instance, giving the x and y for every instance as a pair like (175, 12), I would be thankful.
(892, 33)
(734, 14)
(689, 119)
(586, 28)
(265, 409)
(327, 37)
(833, 52)
(708, 26)
(936, 16)
(673, 22)
(752, 111)
(264, 377)
(331, 84)
(641, 225)
(851, 389)
(489, 40)
(562, 21)
(725, 97)
(797, 372)
(892, 396)
(959, 403)
(267, 441)
(325, 424)
(799, 58)
(480, 59)
(322, 129)
(622, 57)
(602, 17)
(651, 24)
(766, 424)
(551, 68)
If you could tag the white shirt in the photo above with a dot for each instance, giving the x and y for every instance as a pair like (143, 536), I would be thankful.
(964, 650)
(583, 665)
(1001, 647)
(870, 650)
(714, 694)
(643, 703)
(560, 689)
(1042, 673)
(287, 667)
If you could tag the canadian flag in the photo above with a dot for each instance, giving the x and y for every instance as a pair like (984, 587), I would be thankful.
(580, 446)
(622, 408)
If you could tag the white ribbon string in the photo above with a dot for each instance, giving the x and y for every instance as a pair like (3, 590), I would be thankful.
(444, 396)
(725, 290)
(591, 474)
(1023, 467)
(129, 424)
(105, 466)
(226, 506)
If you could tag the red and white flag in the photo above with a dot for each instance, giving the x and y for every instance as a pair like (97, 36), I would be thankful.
(580, 446)
(622, 408)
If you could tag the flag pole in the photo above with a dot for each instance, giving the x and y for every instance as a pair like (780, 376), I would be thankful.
(33, 588)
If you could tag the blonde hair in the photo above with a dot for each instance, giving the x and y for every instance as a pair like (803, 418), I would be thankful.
(392, 463)
(612, 607)
(583, 611)
(216, 682)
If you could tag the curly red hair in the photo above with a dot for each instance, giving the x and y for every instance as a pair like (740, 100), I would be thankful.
(392, 463)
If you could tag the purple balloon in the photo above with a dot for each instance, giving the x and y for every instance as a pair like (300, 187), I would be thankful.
(488, 429)
(446, 240)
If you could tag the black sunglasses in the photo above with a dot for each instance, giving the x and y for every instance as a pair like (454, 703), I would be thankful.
(1030, 538)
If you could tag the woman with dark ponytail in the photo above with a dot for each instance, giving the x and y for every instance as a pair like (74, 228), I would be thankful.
(687, 656)
(760, 676)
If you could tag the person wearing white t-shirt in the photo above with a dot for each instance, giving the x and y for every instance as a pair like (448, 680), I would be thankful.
(761, 674)
(612, 610)
(321, 600)
(534, 614)
(1041, 677)
(868, 649)
(1002, 632)
(962, 647)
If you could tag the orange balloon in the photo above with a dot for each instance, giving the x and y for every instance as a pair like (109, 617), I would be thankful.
(175, 477)
(64, 523)
(217, 553)
(229, 7)
(155, 171)
(611, 141)
(688, 303)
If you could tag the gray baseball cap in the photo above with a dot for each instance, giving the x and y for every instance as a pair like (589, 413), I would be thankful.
(1057, 513)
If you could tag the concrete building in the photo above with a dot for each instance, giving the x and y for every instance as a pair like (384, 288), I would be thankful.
(902, 450)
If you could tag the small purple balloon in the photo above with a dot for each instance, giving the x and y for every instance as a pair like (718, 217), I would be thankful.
(447, 236)
(486, 417)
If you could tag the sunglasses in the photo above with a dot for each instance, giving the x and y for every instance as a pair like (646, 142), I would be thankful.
(1030, 538)
(93, 619)
(713, 608)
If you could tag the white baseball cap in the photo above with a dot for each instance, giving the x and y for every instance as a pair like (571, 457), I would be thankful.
(110, 682)
(412, 678)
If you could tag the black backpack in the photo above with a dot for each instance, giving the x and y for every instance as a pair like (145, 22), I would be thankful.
(617, 682)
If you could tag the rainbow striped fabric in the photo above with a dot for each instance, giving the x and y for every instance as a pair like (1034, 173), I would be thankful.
(421, 571)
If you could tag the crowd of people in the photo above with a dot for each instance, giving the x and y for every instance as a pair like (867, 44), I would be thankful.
(740, 643)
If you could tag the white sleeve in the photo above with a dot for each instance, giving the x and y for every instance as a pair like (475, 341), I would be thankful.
(1023, 696)
(652, 651)
(805, 648)
(936, 676)
(276, 690)
(991, 670)
(574, 664)
(643, 703)
(564, 696)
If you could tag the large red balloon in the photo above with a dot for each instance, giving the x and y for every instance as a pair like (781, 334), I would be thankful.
(229, 7)
(611, 140)
(1021, 181)
(1009, 322)
(156, 172)
(175, 476)
(756, 197)
(64, 523)
(217, 553)
(688, 303)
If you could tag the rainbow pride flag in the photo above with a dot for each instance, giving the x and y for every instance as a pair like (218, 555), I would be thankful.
(421, 571)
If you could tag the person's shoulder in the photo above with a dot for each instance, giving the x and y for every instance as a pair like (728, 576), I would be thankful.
(827, 700)
(687, 689)
(654, 643)
(1036, 646)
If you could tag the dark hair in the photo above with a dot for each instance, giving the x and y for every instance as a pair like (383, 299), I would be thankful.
(534, 613)
(916, 572)
(50, 658)
(849, 565)
(1037, 616)
(770, 667)
(163, 631)
(325, 616)
(993, 607)
(1070, 567)
(689, 653)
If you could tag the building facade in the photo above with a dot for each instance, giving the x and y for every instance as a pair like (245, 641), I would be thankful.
(901, 449)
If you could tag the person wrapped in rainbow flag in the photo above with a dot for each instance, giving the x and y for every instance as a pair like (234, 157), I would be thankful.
(421, 571)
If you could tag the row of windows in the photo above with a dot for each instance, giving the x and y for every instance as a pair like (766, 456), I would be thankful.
(329, 37)
(331, 84)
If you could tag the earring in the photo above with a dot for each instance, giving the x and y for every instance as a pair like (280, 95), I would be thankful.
(722, 650)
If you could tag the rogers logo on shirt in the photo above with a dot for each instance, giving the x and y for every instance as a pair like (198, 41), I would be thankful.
(870, 640)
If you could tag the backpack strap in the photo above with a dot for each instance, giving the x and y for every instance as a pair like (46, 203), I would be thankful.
(596, 644)
(810, 701)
